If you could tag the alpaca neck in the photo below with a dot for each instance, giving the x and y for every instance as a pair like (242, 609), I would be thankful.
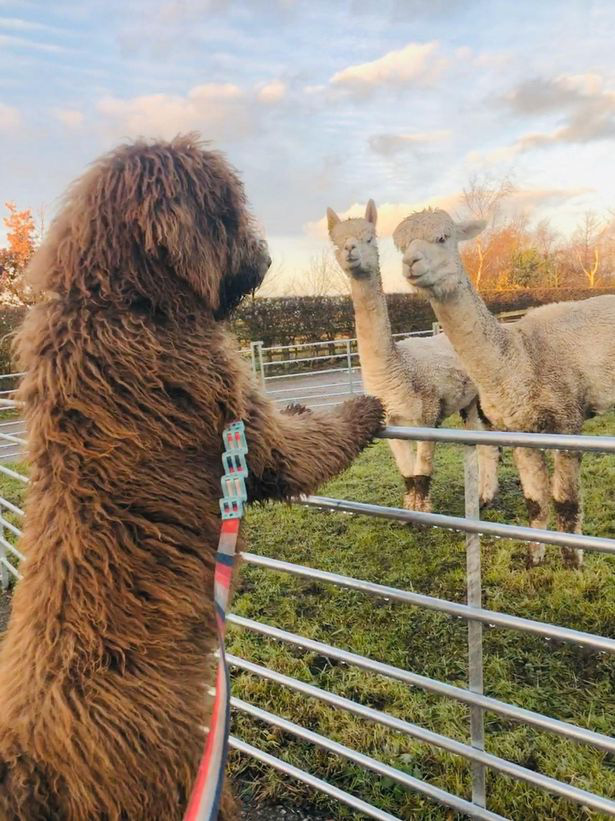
(377, 350)
(482, 343)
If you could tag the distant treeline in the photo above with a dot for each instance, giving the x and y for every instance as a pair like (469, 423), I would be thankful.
(292, 320)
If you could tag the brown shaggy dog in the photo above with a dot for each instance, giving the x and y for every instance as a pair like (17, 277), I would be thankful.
(131, 378)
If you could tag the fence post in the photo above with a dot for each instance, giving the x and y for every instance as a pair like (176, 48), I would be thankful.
(349, 360)
(253, 358)
(475, 629)
(4, 573)
(435, 328)
(256, 352)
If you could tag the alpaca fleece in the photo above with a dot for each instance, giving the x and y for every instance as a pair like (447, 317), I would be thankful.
(420, 381)
(131, 377)
(547, 372)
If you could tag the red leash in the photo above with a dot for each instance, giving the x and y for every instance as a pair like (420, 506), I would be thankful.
(207, 791)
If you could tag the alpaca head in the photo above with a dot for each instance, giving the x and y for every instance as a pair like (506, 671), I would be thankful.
(354, 240)
(150, 220)
(429, 242)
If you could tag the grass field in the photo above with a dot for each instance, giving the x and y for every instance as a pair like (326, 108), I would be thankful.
(563, 681)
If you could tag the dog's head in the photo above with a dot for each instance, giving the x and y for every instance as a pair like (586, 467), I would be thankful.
(149, 218)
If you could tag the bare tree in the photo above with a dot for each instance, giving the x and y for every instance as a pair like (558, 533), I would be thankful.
(323, 277)
(548, 245)
(41, 223)
(483, 197)
(587, 242)
(276, 282)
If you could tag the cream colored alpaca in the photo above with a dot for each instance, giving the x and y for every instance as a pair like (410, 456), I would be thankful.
(419, 381)
(548, 372)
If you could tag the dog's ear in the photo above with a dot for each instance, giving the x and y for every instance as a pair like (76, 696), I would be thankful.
(183, 211)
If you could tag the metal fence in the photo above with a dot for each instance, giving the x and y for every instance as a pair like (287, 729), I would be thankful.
(472, 612)
(12, 428)
(321, 373)
(315, 374)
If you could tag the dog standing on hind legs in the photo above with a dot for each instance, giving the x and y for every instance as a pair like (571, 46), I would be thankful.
(131, 377)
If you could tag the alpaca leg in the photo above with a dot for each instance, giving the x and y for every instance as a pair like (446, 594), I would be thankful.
(488, 457)
(403, 453)
(534, 477)
(488, 461)
(567, 500)
(423, 470)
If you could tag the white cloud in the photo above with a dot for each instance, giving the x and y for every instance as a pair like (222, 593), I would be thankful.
(272, 92)
(70, 117)
(390, 144)
(415, 64)
(14, 41)
(19, 24)
(484, 59)
(220, 110)
(10, 118)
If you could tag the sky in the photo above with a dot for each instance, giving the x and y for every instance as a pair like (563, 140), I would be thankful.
(321, 103)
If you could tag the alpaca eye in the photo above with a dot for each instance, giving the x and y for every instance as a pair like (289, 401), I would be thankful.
(442, 239)
(369, 240)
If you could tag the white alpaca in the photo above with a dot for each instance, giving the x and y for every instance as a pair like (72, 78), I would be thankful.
(419, 381)
(548, 372)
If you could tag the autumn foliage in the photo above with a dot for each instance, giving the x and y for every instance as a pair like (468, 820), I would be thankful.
(21, 243)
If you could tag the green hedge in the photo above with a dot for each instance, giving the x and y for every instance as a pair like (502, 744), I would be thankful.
(292, 320)
(10, 318)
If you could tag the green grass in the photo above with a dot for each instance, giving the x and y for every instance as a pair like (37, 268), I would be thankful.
(563, 681)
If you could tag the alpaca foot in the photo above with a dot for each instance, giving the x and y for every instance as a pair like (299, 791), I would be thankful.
(487, 493)
(418, 503)
(535, 554)
(422, 485)
(422, 504)
(417, 494)
(410, 501)
(573, 558)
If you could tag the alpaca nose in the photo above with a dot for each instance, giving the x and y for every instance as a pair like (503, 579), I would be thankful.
(412, 257)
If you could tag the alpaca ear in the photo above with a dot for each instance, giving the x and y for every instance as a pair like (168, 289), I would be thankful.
(332, 219)
(371, 214)
(468, 229)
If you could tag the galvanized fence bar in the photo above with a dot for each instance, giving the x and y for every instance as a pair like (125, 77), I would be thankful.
(475, 627)
(311, 780)
(14, 475)
(10, 506)
(544, 782)
(4, 563)
(512, 712)
(365, 761)
(462, 611)
(349, 363)
(543, 441)
(501, 531)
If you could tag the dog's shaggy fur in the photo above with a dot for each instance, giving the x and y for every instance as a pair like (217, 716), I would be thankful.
(131, 377)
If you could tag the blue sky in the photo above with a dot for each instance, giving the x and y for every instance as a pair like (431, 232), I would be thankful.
(321, 103)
